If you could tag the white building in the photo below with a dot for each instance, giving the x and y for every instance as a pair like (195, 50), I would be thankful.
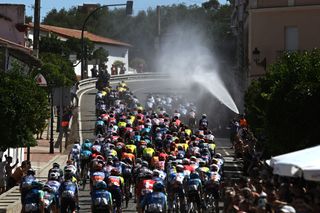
(118, 50)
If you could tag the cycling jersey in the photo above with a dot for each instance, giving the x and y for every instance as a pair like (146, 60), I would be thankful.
(68, 189)
(132, 148)
(155, 202)
(101, 199)
(85, 154)
(193, 185)
(97, 176)
(148, 152)
(115, 182)
(86, 146)
(32, 200)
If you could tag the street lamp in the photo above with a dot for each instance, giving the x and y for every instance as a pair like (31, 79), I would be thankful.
(256, 58)
(128, 5)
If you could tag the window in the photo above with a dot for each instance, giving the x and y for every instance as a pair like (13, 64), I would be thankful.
(291, 38)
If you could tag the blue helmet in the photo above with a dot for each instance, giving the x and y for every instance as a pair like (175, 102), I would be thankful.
(101, 185)
(158, 186)
(194, 175)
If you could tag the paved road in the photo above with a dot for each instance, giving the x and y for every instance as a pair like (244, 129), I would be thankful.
(141, 89)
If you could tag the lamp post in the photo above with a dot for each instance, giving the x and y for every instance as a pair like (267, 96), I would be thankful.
(128, 5)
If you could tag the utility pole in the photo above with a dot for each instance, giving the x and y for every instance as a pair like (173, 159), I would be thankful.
(36, 27)
(36, 30)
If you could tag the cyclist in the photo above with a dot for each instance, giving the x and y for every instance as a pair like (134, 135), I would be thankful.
(101, 198)
(203, 122)
(155, 202)
(56, 169)
(68, 194)
(115, 187)
(175, 186)
(33, 200)
(26, 185)
(53, 182)
(194, 190)
(74, 155)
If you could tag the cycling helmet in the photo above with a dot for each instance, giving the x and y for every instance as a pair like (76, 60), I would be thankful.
(55, 165)
(145, 163)
(101, 185)
(194, 175)
(156, 173)
(214, 167)
(87, 141)
(68, 170)
(204, 115)
(31, 172)
(185, 161)
(179, 168)
(148, 174)
(138, 161)
(218, 155)
(202, 163)
(158, 186)
(115, 172)
(54, 176)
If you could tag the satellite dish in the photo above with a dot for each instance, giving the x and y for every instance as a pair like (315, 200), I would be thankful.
(40, 80)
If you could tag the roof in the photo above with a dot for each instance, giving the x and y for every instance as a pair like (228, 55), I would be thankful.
(20, 52)
(73, 33)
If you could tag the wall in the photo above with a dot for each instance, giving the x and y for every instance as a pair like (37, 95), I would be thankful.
(267, 31)
(10, 15)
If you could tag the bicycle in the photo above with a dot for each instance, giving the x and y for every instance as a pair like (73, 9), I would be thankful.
(176, 203)
(84, 175)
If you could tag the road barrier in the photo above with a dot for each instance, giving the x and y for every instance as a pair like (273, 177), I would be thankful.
(90, 82)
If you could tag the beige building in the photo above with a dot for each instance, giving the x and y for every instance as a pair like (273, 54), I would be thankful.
(266, 28)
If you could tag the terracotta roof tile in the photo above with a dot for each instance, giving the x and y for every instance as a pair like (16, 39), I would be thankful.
(67, 32)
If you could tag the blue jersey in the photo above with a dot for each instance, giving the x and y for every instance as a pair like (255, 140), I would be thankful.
(154, 202)
(68, 189)
(101, 198)
(85, 154)
(194, 185)
(55, 185)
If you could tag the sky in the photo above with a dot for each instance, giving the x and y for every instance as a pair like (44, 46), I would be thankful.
(47, 5)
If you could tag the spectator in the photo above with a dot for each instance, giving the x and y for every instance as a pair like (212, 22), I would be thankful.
(234, 128)
(122, 69)
(16, 177)
(94, 71)
(74, 95)
(9, 168)
(114, 70)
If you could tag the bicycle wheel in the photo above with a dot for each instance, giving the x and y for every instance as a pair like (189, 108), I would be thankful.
(84, 177)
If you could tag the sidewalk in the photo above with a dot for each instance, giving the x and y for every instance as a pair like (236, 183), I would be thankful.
(41, 159)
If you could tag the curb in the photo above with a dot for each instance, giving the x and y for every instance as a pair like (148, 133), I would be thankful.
(10, 201)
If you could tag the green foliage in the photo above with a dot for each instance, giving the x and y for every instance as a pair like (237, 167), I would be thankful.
(115, 24)
(118, 63)
(284, 103)
(100, 55)
(57, 70)
(73, 45)
(136, 62)
(24, 108)
(52, 45)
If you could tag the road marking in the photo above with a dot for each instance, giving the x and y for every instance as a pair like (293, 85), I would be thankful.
(79, 113)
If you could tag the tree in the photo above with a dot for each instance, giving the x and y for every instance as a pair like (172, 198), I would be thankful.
(24, 108)
(57, 70)
(100, 55)
(284, 104)
(105, 22)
